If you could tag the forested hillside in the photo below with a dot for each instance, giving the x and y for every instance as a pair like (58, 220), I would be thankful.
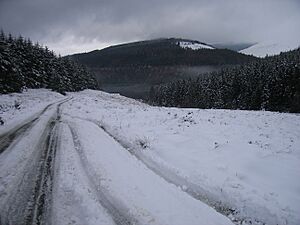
(27, 65)
(272, 83)
(132, 68)
(160, 52)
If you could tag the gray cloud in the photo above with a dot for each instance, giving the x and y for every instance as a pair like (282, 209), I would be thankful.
(69, 26)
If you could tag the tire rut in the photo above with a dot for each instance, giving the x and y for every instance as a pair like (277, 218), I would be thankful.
(193, 190)
(40, 211)
(116, 209)
(12, 136)
(30, 203)
(43, 185)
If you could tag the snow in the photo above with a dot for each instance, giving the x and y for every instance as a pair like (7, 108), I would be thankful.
(18, 164)
(193, 45)
(248, 160)
(73, 199)
(16, 108)
(270, 48)
(120, 161)
(125, 180)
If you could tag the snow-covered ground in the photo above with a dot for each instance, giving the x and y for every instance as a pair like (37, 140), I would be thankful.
(15, 108)
(193, 45)
(270, 48)
(120, 161)
(248, 160)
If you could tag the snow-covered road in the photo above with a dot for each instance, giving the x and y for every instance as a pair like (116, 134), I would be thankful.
(128, 191)
(26, 167)
(96, 158)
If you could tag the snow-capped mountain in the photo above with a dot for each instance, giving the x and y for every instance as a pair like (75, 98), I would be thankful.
(269, 48)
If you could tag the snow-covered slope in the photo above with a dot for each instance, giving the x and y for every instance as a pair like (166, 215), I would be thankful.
(271, 48)
(193, 45)
(120, 161)
(248, 160)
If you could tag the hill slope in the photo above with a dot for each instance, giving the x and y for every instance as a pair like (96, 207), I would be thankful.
(112, 158)
(270, 48)
(271, 83)
(161, 52)
(131, 69)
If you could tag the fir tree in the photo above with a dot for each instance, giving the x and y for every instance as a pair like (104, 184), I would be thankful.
(27, 65)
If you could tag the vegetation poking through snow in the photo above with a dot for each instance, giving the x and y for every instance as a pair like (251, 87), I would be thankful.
(143, 142)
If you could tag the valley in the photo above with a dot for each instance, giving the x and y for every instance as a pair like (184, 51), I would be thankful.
(131, 69)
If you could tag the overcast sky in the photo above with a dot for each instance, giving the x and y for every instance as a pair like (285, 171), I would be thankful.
(69, 26)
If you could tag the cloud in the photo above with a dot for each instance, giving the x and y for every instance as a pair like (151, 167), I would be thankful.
(69, 26)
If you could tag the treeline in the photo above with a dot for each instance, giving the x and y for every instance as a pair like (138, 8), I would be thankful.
(27, 65)
(272, 83)
(148, 74)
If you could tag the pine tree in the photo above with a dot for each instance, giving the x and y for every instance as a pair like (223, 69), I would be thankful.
(272, 83)
(27, 65)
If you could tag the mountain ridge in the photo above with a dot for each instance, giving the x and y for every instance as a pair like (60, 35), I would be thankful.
(132, 68)
(160, 52)
(173, 39)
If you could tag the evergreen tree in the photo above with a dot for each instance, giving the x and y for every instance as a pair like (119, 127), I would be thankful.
(27, 65)
(272, 83)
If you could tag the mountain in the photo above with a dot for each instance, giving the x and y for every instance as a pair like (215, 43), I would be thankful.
(132, 68)
(270, 48)
(160, 52)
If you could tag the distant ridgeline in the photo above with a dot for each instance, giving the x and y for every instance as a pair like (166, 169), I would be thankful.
(27, 65)
(272, 83)
(161, 52)
(132, 68)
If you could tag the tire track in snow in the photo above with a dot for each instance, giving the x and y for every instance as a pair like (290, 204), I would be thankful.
(43, 188)
(30, 202)
(40, 211)
(169, 176)
(11, 137)
(119, 213)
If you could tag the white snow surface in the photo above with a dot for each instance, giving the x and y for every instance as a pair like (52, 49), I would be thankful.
(73, 198)
(16, 108)
(249, 160)
(120, 161)
(193, 45)
(270, 48)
